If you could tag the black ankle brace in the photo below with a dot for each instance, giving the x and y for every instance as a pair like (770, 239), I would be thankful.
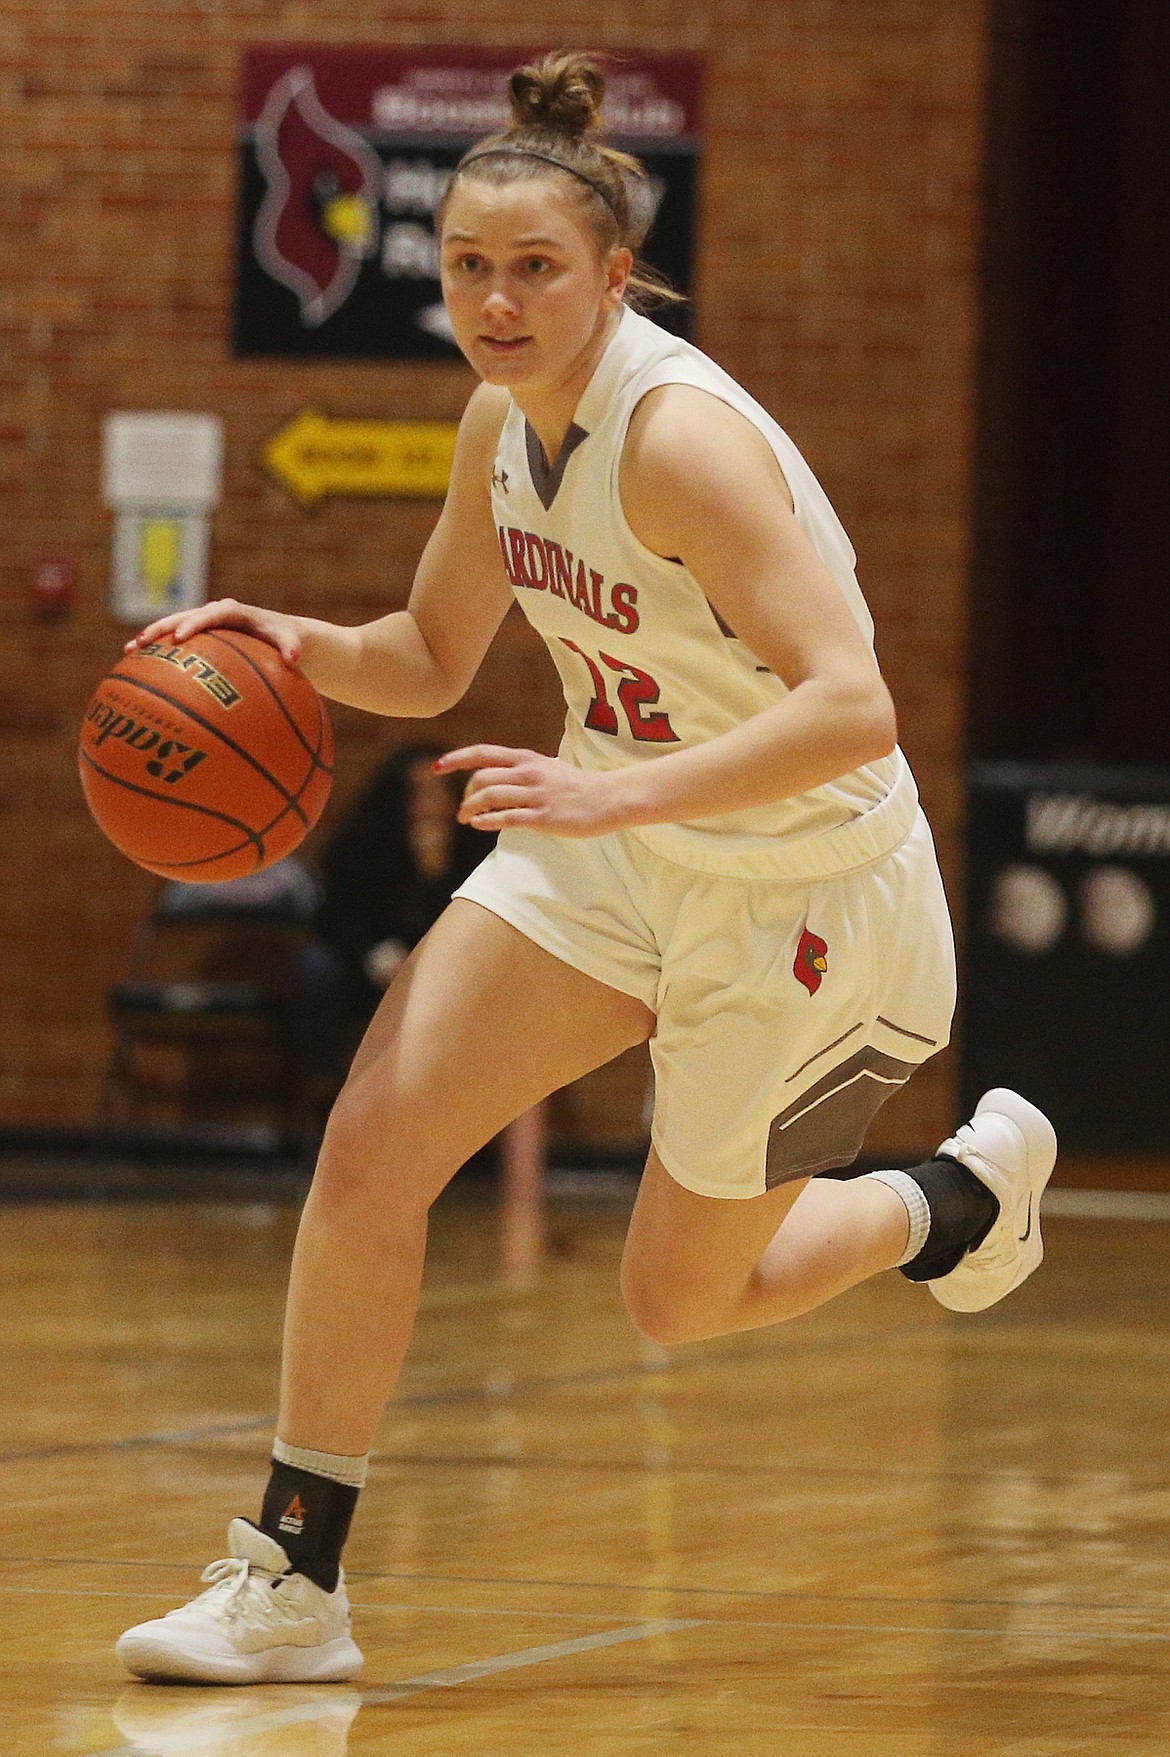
(962, 1213)
(309, 1516)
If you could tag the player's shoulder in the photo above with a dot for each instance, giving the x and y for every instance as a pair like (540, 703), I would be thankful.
(477, 442)
(681, 433)
(483, 419)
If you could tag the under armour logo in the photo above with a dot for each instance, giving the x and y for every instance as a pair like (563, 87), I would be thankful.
(500, 480)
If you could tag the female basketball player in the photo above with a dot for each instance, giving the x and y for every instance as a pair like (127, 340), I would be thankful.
(726, 858)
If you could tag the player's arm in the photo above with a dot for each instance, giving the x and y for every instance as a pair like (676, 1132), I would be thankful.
(415, 662)
(421, 660)
(700, 483)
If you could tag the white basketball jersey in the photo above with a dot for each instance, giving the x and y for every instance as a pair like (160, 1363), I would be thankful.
(646, 665)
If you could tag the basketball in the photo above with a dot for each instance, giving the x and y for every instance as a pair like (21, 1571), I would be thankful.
(206, 760)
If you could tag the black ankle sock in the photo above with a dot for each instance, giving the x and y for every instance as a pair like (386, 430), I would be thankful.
(309, 1517)
(962, 1213)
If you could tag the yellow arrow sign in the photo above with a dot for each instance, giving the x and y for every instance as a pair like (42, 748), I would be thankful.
(316, 455)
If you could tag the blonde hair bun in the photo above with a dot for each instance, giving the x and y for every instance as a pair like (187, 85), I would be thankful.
(562, 94)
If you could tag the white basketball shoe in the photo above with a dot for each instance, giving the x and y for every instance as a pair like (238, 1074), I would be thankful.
(257, 1623)
(1011, 1147)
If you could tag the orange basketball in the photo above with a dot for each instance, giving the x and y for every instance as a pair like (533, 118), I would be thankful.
(206, 760)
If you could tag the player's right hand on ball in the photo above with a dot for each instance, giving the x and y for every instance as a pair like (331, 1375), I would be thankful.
(279, 630)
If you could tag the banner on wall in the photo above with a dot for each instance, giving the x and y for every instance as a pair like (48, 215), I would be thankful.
(1067, 989)
(345, 154)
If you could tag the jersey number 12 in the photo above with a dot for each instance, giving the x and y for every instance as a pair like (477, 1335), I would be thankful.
(636, 692)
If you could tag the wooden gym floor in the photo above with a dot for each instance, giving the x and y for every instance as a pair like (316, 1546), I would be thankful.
(880, 1532)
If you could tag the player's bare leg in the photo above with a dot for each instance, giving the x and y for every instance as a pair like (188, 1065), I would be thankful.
(697, 1266)
(478, 1026)
(967, 1222)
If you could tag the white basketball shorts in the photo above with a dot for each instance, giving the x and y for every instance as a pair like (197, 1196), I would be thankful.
(786, 1014)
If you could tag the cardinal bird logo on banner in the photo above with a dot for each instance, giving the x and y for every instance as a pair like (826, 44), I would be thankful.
(319, 220)
(812, 960)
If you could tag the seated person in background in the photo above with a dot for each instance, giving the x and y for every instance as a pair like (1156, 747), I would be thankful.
(387, 873)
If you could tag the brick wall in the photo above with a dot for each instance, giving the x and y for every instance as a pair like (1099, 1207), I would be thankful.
(838, 235)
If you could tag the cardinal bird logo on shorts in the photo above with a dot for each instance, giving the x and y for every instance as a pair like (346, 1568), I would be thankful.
(318, 221)
(812, 960)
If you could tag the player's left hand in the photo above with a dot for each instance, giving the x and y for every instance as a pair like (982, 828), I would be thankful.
(520, 789)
